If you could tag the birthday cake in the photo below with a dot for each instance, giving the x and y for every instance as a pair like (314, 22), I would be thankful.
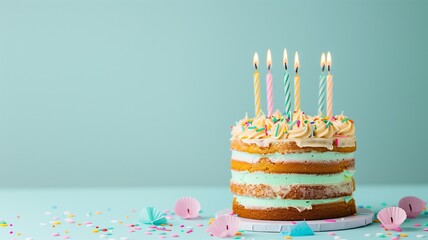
(293, 167)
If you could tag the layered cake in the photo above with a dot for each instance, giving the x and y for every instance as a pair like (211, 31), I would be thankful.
(293, 169)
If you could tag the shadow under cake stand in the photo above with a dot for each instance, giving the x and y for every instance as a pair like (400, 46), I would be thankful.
(363, 218)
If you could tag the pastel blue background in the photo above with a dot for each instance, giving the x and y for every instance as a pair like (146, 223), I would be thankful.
(133, 93)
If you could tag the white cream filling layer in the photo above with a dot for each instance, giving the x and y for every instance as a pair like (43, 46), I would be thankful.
(276, 179)
(292, 157)
(330, 189)
(301, 205)
(306, 142)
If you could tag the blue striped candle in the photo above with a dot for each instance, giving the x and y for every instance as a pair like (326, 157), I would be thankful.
(322, 87)
(287, 93)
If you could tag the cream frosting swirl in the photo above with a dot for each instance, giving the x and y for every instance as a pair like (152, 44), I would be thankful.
(259, 128)
(302, 126)
(345, 126)
(240, 127)
(324, 128)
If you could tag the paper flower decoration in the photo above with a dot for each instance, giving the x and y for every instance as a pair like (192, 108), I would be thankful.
(391, 217)
(224, 226)
(187, 207)
(412, 205)
(151, 215)
(299, 229)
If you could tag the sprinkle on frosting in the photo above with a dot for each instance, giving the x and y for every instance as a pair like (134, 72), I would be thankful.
(301, 126)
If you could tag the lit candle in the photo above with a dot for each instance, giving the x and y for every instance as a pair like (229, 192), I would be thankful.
(287, 93)
(256, 77)
(329, 88)
(269, 85)
(321, 93)
(296, 83)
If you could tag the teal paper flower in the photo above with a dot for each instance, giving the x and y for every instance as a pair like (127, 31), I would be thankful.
(151, 215)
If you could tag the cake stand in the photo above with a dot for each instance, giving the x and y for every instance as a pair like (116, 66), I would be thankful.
(363, 218)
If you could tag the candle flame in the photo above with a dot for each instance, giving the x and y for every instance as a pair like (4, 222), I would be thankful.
(328, 61)
(256, 60)
(269, 59)
(285, 59)
(322, 64)
(296, 62)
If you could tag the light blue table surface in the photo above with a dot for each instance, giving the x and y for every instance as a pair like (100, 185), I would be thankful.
(31, 211)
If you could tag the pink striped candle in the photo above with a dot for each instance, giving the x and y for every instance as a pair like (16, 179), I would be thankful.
(269, 84)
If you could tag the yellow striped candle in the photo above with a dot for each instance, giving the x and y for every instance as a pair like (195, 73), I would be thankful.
(329, 88)
(296, 83)
(256, 77)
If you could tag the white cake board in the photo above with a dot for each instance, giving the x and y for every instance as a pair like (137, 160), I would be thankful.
(363, 218)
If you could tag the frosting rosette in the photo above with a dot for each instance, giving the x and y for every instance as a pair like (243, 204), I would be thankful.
(240, 127)
(258, 128)
(344, 125)
(324, 128)
(300, 127)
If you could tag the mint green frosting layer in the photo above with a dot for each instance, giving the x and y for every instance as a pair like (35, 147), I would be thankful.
(278, 157)
(245, 177)
(251, 202)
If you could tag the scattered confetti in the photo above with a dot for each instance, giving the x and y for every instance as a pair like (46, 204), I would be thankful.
(64, 224)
